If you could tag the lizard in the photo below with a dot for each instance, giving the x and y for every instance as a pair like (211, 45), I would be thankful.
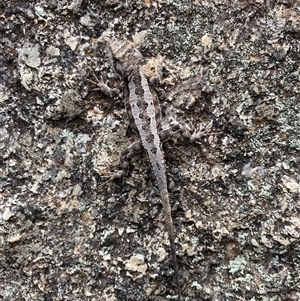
(144, 115)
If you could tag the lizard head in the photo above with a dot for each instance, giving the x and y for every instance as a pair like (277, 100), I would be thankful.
(123, 55)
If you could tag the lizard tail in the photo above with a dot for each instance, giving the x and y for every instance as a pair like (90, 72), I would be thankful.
(170, 230)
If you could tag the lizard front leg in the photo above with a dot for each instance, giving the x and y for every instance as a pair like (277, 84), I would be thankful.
(111, 92)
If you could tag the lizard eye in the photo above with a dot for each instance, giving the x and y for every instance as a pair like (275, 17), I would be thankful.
(141, 116)
(125, 153)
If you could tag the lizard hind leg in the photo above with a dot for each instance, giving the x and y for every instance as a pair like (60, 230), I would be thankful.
(123, 162)
(178, 128)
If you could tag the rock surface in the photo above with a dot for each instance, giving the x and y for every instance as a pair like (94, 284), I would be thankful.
(235, 195)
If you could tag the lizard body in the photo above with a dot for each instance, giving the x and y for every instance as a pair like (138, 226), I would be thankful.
(144, 115)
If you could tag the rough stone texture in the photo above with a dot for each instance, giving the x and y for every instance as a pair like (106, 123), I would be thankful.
(235, 195)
